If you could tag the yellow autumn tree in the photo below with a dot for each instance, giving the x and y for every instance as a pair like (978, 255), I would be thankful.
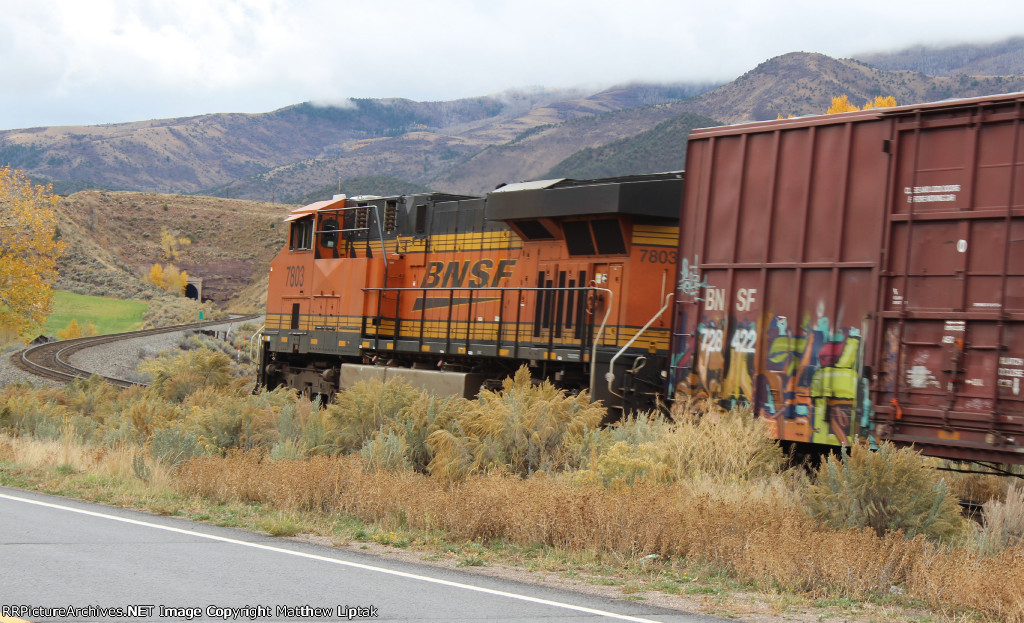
(887, 101)
(171, 245)
(74, 330)
(156, 275)
(843, 104)
(840, 104)
(168, 278)
(28, 253)
(175, 281)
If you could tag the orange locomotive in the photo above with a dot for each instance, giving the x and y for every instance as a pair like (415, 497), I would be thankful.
(452, 293)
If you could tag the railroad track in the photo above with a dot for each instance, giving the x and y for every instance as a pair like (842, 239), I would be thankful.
(50, 360)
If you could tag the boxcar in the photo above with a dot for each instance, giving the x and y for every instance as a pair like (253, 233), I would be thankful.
(861, 274)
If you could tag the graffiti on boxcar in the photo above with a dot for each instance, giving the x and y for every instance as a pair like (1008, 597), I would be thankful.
(725, 361)
(738, 385)
(809, 385)
(690, 283)
(710, 362)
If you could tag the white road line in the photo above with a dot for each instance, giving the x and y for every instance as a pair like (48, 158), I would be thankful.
(344, 563)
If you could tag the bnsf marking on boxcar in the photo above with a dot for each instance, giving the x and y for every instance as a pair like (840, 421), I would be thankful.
(745, 299)
(296, 276)
(454, 274)
(655, 256)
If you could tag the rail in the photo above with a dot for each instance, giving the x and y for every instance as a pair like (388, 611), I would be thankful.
(50, 360)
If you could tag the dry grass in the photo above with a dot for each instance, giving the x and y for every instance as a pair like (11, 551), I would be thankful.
(757, 533)
(68, 456)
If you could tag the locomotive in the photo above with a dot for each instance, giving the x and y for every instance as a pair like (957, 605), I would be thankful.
(453, 293)
(843, 275)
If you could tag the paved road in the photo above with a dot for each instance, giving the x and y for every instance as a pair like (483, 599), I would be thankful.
(58, 553)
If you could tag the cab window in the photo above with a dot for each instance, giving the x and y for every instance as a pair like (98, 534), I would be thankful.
(301, 238)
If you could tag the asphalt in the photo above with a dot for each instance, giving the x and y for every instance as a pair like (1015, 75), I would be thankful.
(74, 561)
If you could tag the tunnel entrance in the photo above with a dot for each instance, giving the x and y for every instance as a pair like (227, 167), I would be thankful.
(194, 288)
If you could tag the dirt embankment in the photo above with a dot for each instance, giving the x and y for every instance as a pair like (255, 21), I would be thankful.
(114, 238)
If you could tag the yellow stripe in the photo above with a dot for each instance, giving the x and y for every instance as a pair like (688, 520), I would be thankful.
(462, 330)
(655, 235)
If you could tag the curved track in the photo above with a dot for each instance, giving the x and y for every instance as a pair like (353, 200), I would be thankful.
(50, 361)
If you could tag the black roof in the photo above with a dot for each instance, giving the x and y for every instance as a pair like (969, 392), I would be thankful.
(658, 195)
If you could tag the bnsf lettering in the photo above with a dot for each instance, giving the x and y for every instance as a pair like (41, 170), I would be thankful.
(715, 299)
(467, 274)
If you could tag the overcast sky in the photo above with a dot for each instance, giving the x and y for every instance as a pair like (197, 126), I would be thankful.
(71, 62)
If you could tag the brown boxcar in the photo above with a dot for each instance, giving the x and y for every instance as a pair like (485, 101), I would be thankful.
(861, 274)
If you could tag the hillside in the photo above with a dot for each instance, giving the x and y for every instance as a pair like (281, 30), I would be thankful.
(289, 152)
(114, 237)
(652, 151)
(380, 185)
(1003, 58)
(802, 84)
(532, 154)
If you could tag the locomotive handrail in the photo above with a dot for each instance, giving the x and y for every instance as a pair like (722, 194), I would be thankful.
(253, 342)
(597, 340)
(610, 375)
(376, 215)
(526, 289)
(584, 339)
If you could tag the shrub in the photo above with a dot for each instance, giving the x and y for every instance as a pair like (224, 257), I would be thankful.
(361, 410)
(175, 445)
(23, 411)
(624, 464)
(524, 428)
(177, 376)
(1004, 522)
(386, 451)
(722, 445)
(887, 490)
(224, 421)
(303, 427)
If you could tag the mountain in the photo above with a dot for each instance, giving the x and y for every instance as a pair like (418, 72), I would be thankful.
(662, 148)
(476, 159)
(1003, 58)
(472, 145)
(803, 83)
(291, 151)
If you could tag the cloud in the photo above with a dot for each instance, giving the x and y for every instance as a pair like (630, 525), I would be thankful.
(346, 102)
(67, 61)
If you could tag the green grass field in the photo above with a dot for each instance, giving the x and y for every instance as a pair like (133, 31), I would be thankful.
(107, 314)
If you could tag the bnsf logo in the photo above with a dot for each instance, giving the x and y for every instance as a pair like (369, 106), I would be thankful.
(478, 274)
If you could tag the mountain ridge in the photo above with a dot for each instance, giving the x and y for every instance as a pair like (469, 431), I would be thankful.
(471, 145)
